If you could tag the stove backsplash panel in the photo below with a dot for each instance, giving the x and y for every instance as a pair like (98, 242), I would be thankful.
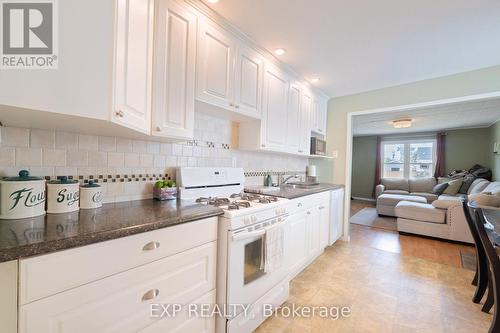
(126, 168)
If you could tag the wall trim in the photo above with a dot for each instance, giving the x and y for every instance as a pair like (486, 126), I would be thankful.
(364, 199)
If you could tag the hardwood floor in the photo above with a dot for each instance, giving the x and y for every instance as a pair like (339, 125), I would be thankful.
(420, 247)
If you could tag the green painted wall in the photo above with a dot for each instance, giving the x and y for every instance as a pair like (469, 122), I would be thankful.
(462, 152)
(363, 166)
(463, 84)
(464, 148)
(495, 158)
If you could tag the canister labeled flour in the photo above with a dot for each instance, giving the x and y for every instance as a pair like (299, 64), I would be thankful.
(63, 195)
(22, 197)
(90, 195)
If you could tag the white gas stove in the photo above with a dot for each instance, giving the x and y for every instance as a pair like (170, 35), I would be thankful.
(247, 273)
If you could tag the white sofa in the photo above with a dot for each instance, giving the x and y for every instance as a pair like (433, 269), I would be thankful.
(444, 217)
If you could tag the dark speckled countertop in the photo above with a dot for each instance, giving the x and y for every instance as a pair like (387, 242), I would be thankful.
(289, 192)
(54, 232)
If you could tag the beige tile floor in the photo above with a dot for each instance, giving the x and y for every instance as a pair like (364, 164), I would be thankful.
(387, 292)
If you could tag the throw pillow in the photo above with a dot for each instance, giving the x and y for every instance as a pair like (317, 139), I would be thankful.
(439, 188)
(482, 200)
(453, 187)
(468, 180)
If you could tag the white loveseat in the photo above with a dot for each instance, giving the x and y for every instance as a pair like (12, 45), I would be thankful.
(444, 217)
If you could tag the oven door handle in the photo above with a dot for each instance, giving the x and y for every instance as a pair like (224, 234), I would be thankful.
(245, 235)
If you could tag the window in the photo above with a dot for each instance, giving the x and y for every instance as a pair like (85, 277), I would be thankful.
(408, 158)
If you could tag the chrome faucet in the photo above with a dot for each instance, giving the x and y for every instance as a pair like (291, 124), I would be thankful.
(284, 180)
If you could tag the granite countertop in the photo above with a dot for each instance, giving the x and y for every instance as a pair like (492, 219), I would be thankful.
(54, 232)
(289, 192)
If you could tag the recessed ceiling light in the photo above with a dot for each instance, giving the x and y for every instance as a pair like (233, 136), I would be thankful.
(402, 123)
(315, 79)
(279, 51)
(212, 1)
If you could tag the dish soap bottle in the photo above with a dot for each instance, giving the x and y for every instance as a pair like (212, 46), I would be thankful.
(268, 181)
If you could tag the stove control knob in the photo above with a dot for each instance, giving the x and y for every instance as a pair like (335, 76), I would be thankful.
(246, 220)
(254, 218)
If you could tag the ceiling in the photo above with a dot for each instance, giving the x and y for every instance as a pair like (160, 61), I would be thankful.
(358, 45)
(430, 119)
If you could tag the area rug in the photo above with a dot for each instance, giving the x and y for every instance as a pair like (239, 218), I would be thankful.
(368, 217)
(468, 260)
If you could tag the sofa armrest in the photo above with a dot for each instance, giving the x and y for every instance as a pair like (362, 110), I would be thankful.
(446, 203)
(379, 189)
(459, 229)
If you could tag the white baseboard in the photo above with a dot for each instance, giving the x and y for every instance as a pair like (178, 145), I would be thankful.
(364, 199)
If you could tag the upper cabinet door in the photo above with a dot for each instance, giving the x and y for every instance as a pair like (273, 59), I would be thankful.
(293, 118)
(319, 115)
(305, 122)
(174, 76)
(274, 109)
(133, 64)
(215, 71)
(249, 70)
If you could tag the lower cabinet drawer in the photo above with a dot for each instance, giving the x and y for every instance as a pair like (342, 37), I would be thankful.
(122, 303)
(49, 274)
(186, 322)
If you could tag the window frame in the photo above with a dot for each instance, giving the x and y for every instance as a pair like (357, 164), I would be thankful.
(406, 158)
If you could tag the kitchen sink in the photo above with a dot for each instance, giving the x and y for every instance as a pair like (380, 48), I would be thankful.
(301, 185)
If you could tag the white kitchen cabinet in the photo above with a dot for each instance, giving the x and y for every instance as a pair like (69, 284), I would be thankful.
(274, 109)
(229, 73)
(174, 71)
(305, 122)
(324, 221)
(319, 115)
(249, 70)
(215, 65)
(293, 117)
(313, 233)
(133, 64)
(298, 243)
(8, 300)
(121, 303)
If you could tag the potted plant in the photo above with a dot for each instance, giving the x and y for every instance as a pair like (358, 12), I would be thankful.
(165, 190)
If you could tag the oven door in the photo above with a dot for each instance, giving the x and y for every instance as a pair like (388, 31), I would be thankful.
(247, 281)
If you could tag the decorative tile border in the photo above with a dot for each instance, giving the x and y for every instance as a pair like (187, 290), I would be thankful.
(115, 178)
(273, 173)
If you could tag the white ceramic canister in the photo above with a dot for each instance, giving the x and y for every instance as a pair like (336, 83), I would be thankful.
(22, 197)
(63, 195)
(90, 195)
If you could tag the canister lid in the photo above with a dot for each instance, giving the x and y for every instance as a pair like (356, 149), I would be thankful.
(24, 175)
(63, 180)
(91, 184)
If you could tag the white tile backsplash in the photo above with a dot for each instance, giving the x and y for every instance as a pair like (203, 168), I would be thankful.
(57, 153)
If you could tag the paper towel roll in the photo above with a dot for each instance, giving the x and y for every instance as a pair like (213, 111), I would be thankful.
(311, 171)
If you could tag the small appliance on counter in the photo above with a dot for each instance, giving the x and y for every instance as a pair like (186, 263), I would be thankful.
(165, 190)
(63, 195)
(311, 176)
(90, 195)
(22, 197)
(318, 146)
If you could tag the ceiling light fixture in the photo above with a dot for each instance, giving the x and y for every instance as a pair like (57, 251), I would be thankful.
(279, 51)
(315, 79)
(402, 123)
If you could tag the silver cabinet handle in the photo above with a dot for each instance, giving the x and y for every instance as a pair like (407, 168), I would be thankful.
(299, 204)
(237, 106)
(158, 128)
(300, 151)
(231, 104)
(151, 246)
(321, 207)
(262, 145)
(119, 113)
(308, 213)
(150, 294)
